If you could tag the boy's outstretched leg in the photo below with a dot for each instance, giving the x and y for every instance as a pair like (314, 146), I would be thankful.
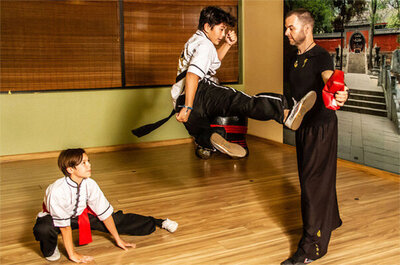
(134, 224)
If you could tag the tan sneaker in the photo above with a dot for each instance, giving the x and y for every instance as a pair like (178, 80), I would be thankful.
(296, 115)
(231, 149)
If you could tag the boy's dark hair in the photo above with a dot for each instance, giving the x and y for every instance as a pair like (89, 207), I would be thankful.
(303, 15)
(70, 158)
(214, 15)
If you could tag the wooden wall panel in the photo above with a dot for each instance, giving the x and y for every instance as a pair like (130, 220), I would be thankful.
(64, 45)
(51, 45)
(155, 34)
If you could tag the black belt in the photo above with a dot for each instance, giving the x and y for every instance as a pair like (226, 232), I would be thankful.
(148, 128)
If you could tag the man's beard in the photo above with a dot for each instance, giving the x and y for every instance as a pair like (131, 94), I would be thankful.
(299, 40)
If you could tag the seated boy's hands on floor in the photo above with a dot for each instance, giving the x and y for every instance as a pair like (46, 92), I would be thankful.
(78, 258)
(125, 245)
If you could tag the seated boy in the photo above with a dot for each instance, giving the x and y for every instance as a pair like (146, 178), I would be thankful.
(198, 98)
(69, 200)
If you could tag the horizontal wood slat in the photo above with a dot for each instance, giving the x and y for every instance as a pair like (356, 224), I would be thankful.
(64, 45)
(50, 45)
(155, 34)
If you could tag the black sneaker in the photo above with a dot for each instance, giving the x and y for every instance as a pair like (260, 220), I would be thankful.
(203, 153)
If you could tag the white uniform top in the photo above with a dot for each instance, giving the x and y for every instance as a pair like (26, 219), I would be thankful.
(199, 57)
(65, 199)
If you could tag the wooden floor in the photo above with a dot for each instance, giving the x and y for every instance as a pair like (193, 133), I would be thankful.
(229, 211)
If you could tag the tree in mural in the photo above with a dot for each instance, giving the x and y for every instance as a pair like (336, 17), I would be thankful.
(345, 10)
(377, 10)
(373, 7)
(394, 19)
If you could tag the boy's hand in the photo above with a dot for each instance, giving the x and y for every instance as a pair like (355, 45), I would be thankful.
(109, 223)
(125, 245)
(78, 258)
(66, 233)
(341, 96)
(231, 37)
(183, 115)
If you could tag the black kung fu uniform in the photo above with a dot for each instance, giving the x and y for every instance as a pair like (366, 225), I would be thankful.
(316, 146)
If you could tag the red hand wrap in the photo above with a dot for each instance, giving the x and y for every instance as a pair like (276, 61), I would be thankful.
(335, 83)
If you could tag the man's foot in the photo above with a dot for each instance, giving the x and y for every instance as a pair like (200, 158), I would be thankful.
(56, 255)
(231, 149)
(169, 225)
(203, 153)
(297, 259)
(296, 115)
(291, 261)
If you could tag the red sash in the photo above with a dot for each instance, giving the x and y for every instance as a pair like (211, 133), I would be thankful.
(85, 233)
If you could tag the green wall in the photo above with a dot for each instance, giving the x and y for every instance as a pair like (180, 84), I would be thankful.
(51, 121)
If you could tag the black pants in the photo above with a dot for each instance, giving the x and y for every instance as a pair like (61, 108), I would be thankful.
(213, 100)
(317, 161)
(129, 224)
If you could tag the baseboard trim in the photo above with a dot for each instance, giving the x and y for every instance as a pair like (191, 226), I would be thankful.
(368, 169)
(92, 150)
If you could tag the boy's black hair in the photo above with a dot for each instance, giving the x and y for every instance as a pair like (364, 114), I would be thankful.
(70, 158)
(214, 15)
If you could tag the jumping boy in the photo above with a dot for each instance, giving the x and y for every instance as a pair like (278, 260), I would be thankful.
(198, 98)
(76, 200)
